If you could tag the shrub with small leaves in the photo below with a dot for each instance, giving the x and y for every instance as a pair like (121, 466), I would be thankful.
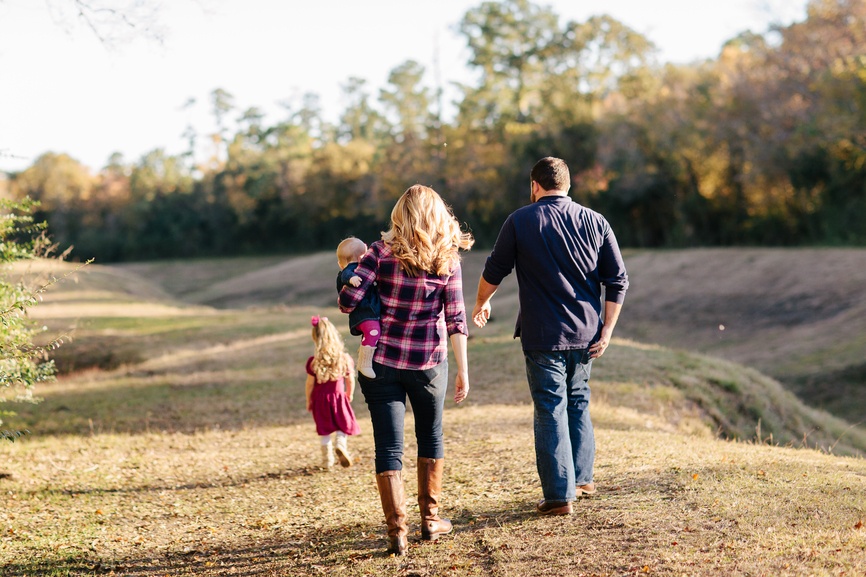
(22, 364)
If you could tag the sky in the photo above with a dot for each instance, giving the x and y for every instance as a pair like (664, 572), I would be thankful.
(64, 91)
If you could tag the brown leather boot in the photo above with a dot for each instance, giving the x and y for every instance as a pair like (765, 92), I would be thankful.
(391, 493)
(429, 490)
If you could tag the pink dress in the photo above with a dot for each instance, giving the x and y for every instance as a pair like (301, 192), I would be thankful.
(332, 411)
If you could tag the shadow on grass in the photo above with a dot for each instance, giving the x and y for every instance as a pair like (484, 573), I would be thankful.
(165, 407)
(311, 553)
(260, 558)
(361, 545)
(230, 482)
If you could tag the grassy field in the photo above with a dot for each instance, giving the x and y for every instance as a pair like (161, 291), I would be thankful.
(798, 315)
(242, 288)
(178, 444)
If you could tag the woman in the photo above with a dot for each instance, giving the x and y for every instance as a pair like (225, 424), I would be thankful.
(416, 268)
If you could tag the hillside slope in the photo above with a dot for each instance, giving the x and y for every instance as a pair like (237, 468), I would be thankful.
(798, 315)
(732, 400)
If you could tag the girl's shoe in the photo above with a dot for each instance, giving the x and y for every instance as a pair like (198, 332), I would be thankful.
(328, 456)
(342, 452)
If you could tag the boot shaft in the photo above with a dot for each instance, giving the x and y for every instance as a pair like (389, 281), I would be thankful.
(392, 495)
(429, 492)
(429, 486)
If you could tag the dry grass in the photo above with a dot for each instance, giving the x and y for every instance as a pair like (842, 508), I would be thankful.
(196, 457)
(253, 502)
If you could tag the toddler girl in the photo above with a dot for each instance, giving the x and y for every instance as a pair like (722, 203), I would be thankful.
(329, 389)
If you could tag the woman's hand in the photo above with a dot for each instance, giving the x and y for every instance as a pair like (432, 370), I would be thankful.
(461, 387)
(461, 382)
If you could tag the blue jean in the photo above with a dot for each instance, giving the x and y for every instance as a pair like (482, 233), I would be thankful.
(564, 438)
(386, 399)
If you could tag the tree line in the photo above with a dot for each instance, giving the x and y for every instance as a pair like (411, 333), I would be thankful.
(765, 144)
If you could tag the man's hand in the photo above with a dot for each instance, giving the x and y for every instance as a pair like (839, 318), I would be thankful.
(481, 314)
(597, 349)
(611, 314)
(355, 281)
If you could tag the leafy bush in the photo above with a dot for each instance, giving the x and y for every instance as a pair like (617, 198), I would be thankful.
(22, 364)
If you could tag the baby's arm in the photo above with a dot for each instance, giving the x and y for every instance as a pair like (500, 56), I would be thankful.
(355, 281)
(308, 388)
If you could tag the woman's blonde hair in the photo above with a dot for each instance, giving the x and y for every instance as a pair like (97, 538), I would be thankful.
(329, 360)
(424, 235)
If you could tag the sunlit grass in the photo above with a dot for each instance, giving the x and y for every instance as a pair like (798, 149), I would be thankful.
(194, 454)
(199, 503)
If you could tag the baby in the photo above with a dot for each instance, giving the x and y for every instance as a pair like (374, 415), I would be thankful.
(364, 320)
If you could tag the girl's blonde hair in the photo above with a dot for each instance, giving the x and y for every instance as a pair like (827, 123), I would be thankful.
(329, 360)
(424, 235)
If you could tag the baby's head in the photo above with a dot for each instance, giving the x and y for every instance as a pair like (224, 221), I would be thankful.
(350, 250)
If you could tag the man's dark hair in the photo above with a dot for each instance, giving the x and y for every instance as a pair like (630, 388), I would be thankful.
(551, 173)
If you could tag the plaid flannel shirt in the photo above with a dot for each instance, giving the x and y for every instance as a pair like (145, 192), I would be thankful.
(418, 313)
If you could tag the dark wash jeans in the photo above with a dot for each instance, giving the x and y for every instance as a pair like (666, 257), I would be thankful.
(564, 436)
(386, 398)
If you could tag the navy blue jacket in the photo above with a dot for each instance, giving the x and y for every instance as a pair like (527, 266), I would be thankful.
(564, 253)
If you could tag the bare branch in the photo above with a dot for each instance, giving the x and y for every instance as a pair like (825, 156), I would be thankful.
(111, 22)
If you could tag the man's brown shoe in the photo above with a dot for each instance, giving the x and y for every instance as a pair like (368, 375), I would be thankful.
(587, 490)
(554, 507)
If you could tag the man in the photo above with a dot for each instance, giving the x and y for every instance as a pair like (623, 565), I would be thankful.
(564, 254)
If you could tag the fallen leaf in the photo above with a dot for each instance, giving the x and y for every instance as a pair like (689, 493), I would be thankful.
(858, 525)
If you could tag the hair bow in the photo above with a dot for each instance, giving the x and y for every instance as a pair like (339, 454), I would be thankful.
(314, 320)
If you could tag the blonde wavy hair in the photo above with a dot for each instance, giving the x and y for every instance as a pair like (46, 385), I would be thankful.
(424, 234)
(329, 360)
